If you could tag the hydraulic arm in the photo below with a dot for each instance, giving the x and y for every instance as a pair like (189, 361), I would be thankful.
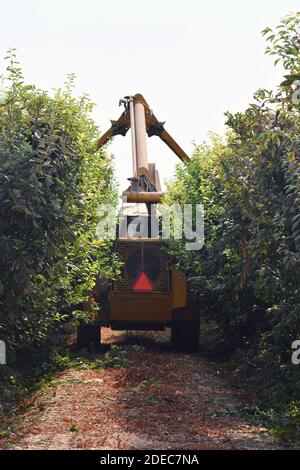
(153, 126)
(145, 184)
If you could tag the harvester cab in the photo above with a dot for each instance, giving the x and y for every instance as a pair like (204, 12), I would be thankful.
(151, 292)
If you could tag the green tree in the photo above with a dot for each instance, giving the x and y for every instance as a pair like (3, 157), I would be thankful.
(249, 269)
(51, 182)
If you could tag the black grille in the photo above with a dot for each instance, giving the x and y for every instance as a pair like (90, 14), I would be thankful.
(148, 257)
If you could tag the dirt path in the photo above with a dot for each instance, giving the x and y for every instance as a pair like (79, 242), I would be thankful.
(163, 400)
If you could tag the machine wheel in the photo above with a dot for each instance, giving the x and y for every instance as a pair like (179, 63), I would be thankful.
(89, 336)
(185, 335)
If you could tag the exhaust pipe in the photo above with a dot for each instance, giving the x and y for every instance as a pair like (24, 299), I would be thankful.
(141, 140)
(133, 138)
(138, 137)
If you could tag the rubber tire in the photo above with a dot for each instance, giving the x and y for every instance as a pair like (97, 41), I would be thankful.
(89, 336)
(185, 335)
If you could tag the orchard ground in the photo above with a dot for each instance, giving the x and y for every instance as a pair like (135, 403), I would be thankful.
(146, 397)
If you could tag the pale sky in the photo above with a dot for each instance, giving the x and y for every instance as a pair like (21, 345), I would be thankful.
(192, 60)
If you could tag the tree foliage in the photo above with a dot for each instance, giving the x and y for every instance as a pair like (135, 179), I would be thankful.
(249, 269)
(51, 182)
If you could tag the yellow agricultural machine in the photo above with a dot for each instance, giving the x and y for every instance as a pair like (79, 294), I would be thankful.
(151, 293)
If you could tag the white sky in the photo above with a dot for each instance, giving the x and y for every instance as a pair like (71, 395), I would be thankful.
(192, 59)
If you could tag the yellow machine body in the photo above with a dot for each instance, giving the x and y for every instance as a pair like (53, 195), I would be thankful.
(130, 309)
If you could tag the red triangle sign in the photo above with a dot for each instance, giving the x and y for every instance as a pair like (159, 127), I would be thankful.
(143, 283)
